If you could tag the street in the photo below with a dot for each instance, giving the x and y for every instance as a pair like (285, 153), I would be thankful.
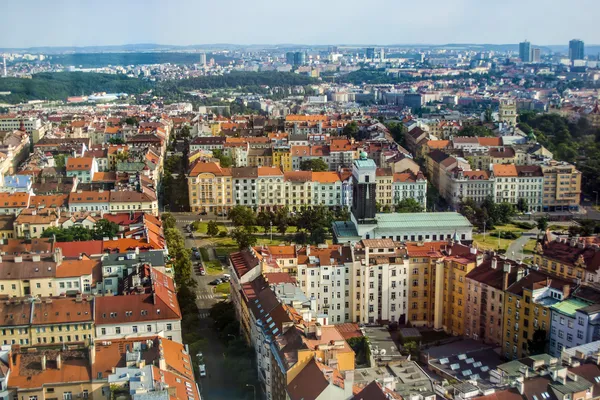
(216, 385)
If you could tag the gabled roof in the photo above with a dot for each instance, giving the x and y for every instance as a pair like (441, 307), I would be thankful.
(79, 163)
(62, 311)
(136, 308)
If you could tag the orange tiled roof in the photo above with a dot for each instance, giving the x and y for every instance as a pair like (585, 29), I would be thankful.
(502, 170)
(326, 177)
(79, 163)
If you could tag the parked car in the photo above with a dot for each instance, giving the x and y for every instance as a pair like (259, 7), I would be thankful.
(191, 235)
(225, 278)
(203, 213)
(197, 254)
(194, 249)
(202, 272)
(202, 369)
(215, 282)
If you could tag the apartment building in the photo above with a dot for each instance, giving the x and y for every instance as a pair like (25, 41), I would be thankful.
(323, 274)
(407, 185)
(282, 157)
(476, 185)
(210, 188)
(147, 314)
(47, 320)
(245, 186)
(515, 182)
(270, 188)
(527, 307)
(385, 195)
(570, 325)
(573, 258)
(378, 282)
(14, 203)
(328, 189)
(485, 299)
(562, 187)
(32, 222)
(298, 189)
(83, 168)
(144, 200)
(310, 152)
(45, 275)
(91, 201)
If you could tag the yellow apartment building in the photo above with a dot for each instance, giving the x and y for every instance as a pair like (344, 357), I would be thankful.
(527, 305)
(210, 188)
(282, 158)
(384, 193)
(572, 258)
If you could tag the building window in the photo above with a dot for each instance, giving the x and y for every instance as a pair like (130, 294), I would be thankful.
(118, 330)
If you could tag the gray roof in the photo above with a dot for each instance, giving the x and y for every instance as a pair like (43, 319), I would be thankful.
(154, 258)
(438, 220)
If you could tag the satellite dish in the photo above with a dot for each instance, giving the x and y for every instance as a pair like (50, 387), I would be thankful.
(382, 352)
(376, 351)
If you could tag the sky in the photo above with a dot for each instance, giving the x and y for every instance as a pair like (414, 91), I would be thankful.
(30, 23)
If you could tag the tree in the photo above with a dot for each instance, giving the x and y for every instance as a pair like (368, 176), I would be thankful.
(487, 116)
(265, 219)
(542, 225)
(409, 205)
(282, 220)
(475, 130)
(117, 140)
(212, 229)
(60, 160)
(105, 228)
(522, 205)
(122, 156)
(224, 161)
(242, 216)
(351, 130)
(411, 348)
(314, 164)
(71, 234)
(168, 221)
(537, 344)
(397, 130)
(244, 237)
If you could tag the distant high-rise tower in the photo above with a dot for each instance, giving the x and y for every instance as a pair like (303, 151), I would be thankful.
(382, 54)
(370, 53)
(203, 59)
(4, 61)
(289, 57)
(576, 50)
(299, 58)
(536, 55)
(525, 51)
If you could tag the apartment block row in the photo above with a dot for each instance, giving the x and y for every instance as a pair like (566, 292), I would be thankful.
(447, 286)
(550, 186)
(213, 188)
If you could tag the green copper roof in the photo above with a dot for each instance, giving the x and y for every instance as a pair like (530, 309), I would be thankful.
(422, 220)
(569, 306)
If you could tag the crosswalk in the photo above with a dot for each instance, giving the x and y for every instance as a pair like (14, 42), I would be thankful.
(204, 315)
(206, 296)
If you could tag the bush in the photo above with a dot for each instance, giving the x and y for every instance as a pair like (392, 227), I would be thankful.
(222, 234)
(510, 235)
(525, 225)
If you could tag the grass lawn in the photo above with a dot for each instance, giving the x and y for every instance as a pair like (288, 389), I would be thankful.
(224, 251)
(201, 227)
(529, 246)
(491, 242)
(290, 229)
(204, 254)
(222, 288)
(213, 267)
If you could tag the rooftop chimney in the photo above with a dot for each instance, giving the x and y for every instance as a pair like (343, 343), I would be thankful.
(318, 331)
(58, 362)
(43, 362)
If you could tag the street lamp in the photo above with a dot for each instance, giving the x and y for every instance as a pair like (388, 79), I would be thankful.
(271, 224)
(253, 389)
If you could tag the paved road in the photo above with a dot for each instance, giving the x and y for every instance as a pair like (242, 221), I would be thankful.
(216, 385)
(515, 249)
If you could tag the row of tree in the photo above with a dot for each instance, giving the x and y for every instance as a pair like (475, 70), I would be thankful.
(488, 214)
(102, 229)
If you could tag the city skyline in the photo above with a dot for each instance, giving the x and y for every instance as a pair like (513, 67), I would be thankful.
(76, 24)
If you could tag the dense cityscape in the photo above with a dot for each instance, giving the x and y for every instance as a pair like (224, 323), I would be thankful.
(302, 222)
